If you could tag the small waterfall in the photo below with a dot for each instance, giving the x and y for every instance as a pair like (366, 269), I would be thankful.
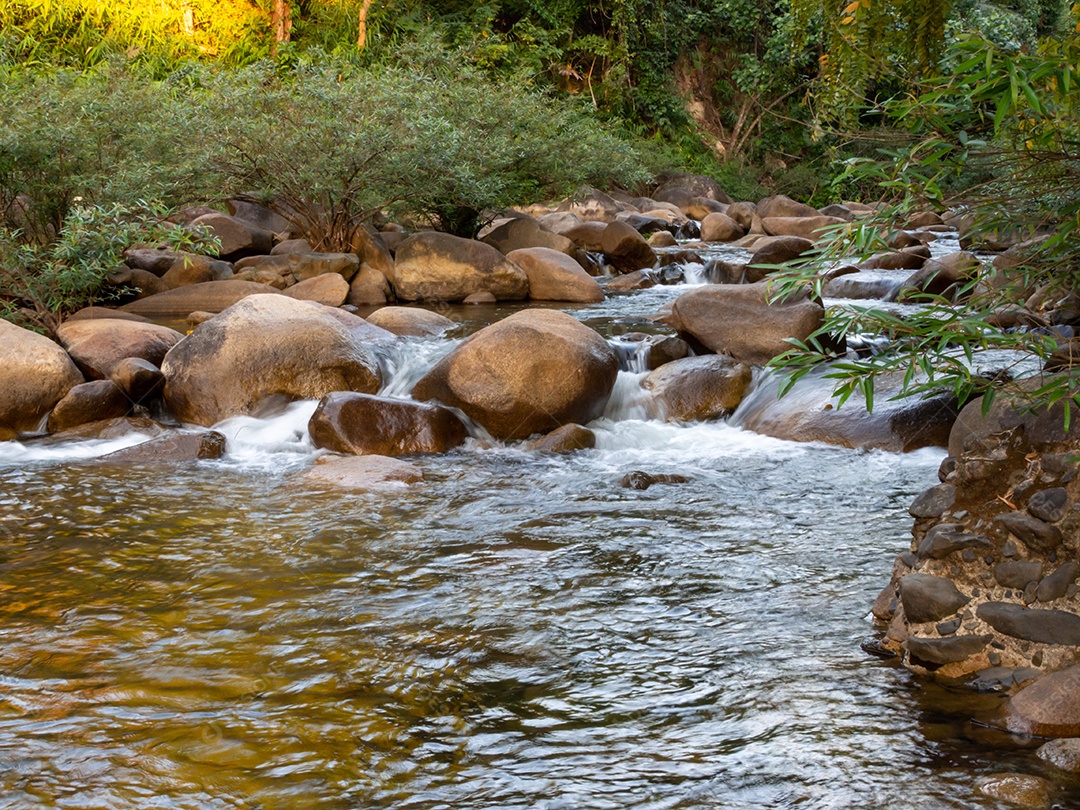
(694, 273)
(633, 353)
(405, 362)
(262, 441)
(628, 399)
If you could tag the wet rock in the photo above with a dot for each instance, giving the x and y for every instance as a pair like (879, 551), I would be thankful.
(138, 379)
(942, 276)
(369, 287)
(1049, 505)
(98, 345)
(363, 473)
(933, 502)
(1043, 626)
(35, 374)
(1020, 790)
(1063, 753)
(554, 276)
(1018, 574)
(809, 227)
(362, 424)
(922, 219)
(104, 430)
(783, 206)
(172, 448)
(525, 232)
(267, 347)
(662, 239)
(238, 238)
(529, 373)
(192, 269)
(928, 598)
(940, 651)
(1056, 585)
(775, 250)
(717, 227)
(482, 297)
(88, 402)
(329, 289)
(664, 350)
(567, 439)
(411, 321)
(212, 296)
(638, 280)
(152, 260)
(1048, 707)
(696, 389)
(1031, 531)
(625, 248)
(906, 259)
(948, 538)
(639, 479)
(739, 320)
(432, 266)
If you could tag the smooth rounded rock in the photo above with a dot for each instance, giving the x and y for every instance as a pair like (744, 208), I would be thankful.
(554, 276)
(138, 379)
(35, 374)
(88, 402)
(1063, 753)
(192, 269)
(927, 598)
(434, 266)
(567, 439)
(625, 248)
(1018, 790)
(98, 345)
(1048, 707)
(717, 227)
(411, 321)
(211, 296)
(363, 473)
(696, 389)
(362, 424)
(329, 289)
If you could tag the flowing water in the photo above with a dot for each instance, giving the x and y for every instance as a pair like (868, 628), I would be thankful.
(518, 631)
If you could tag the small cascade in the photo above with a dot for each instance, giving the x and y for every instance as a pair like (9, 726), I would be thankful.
(407, 361)
(17, 454)
(628, 399)
(633, 353)
(694, 273)
(270, 441)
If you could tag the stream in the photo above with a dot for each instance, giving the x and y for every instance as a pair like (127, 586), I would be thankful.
(517, 631)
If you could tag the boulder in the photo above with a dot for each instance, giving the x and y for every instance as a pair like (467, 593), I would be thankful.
(434, 266)
(554, 276)
(639, 479)
(928, 598)
(737, 319)
(171, 449)
(372, 248)
(526, 232)
(192, 269)
(369, 287)
(808, 227)
(1042, 626)
(264, 348)
(638, 280)
(923, 219)
(779, 249)
(294, 267)
(588, 235)
(153, 260)
(93, 313)
(211, 296)
(127, 280)
(98, 345)
(567, 439)
(362, 473)
(260, 216)
(1049, 707)
(529, 373)
(35, 374)
(330, 290)
(942, 276)
(718, 227)
(782, 206)
(361, 424)
(292, 246)
(105, 430)
(934, 502)
(696, 185)
(839, 211)
(974, 429)
(906, 259)
(625, 248)
(695, 389)
(1018, 790)
(238, 238)
(1063, 753)
(411, 321)
(367, 333)
(743, 213)
(138, 379)
(88, 402)
(482, 297)
(662, 239)
(592, 205)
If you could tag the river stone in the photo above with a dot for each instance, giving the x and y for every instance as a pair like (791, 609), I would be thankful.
(238, 238)
(1049, 504)
(1056, 585)
(267, 347)
(554, 276)
(329, 289)
(361, 424)
(638, 280)
(1049, 707)
(104, 430)
(173, 448)
(529, 373)
(717, 227)
(625, 248)
(295, 267)
(368, 288)
(525, 232)
(928, 598)
(88, 402)
(781, 205)
(432, 266)
(363, 473)
(946, 650)
(1063, 753)
(738, 320)
(152, 260)
(906, 259)
(933, 502)
(743, 213)
(1017, 789)
(1042, 626)
(567, 439)
(939, 276)
(1018, 574)
(35, 374)
(948, 538)
(211, 296)
(810, 227)
(192, 269)
(1031, 531)
(138, 379)
(98, 345)
(411, 321)
(662, 239)
(639, 479)
(976, 431)
(291, 246)
(92, 313)
(773, 250)
(695, 389)
(695, 185)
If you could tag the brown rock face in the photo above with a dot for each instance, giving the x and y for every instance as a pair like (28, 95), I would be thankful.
(171, 449)
(35, 374)
(98, 345)
(266, 347)
(694, 389)
(782, 206)
(530, 373)
(809, 227)
(626, 248)
(526, 232)
(369, 287)
(1049, 707)
(211, 296)
(363, 473)
(88, 402)
(738, 320)
(238, 238)
(411, 321)
(330, 290)
(433, 266)
(554, 276)
(717, 227)
(294, 267)
(361, 424)
(567, 439)
(779, 249)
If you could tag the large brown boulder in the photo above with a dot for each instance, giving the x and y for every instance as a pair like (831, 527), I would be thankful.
(361, 424)
(98, 345)
(368, 288)
(88, 402)
(530, 373)
(363, 473)
(329, 290)
(809, 227)
(35, 374)
(131, 281)
(264, 348)
(694, 389)
(238, 238)
(696, 185)
(211, 296)
(526, 232)
(737, 319)
(411, 321)
(779, 249)
(554, 276)
(1049, 707)
(434, 266)
(783, 206)
(626, 248)
(717, 227)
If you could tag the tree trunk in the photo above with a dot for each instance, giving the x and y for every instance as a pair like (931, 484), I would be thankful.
(361, 39)
(281, 22)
